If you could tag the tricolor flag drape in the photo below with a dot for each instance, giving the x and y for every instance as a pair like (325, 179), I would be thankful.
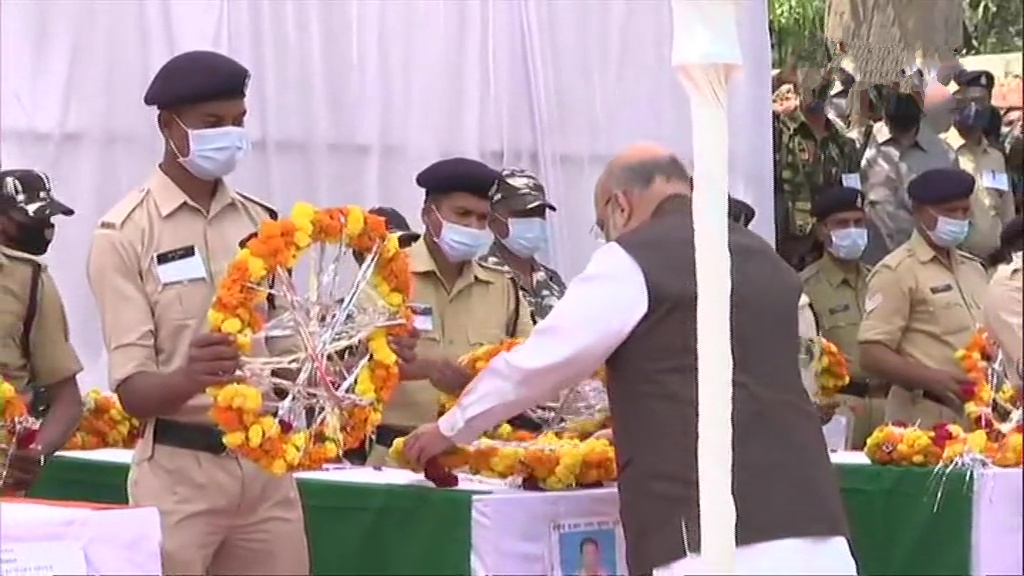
(705, 54)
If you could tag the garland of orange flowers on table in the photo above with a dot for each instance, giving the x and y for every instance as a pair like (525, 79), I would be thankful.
(980, 395)
(898, 444)
(12, 405)
(278, 245)
(104, 424)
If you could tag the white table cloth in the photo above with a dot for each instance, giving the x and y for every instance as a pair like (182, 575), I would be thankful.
(115, 541)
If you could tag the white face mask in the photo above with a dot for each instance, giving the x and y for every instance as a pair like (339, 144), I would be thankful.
(526, 236)
(214, 152)
(461, 243)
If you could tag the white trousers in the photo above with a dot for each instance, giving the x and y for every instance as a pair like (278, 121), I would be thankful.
(790, 556)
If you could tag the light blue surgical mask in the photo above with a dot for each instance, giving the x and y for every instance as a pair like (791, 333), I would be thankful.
(848, 243)
(949, 232)
(214, 152)
(526, 236)
(461, 243)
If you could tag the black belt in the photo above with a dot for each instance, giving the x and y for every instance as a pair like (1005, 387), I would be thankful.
(386, 435)
(933, 398)
(198, 437)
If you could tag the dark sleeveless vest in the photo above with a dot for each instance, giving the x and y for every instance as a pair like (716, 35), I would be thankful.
(784, 486)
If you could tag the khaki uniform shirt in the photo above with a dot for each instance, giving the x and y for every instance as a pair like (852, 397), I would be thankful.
(837, 299)
(147, 324)
(886, 170)
(1003, 312)
(477, 310)
(921, 307)
(991, 207)
(52, 360)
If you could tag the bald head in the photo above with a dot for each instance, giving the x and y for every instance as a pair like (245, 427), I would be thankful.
(634, 183)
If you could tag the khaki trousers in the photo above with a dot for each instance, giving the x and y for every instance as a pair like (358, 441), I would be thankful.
(220, 515)
(913, 408)
(863, 416)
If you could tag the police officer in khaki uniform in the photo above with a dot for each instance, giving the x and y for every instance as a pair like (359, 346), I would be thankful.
(154, 264)
(457, 303)
(837, 285)
(35, 354)
(1003, 309)
(924, 303)
(992, 201)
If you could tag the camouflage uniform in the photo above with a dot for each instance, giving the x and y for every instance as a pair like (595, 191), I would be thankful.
(1012, 144)
(805, 164)
(518, 191)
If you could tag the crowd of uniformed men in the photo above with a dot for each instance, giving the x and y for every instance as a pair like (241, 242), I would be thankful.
(901, 227)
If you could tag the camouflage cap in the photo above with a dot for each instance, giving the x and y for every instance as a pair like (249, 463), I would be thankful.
(30, 191)
(520, 189)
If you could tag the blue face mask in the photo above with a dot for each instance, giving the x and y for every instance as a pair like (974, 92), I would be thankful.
(949, 232)
(848, 243)
(526, 236)
(461, 243)
(214, 152)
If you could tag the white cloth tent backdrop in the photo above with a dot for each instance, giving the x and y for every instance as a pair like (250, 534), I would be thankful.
(706, 53)
(350, 99)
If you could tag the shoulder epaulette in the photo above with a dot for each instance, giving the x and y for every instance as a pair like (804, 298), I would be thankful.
(492, 266)
(971, 257)
(116, 216)
(274, 215)
(810, 270)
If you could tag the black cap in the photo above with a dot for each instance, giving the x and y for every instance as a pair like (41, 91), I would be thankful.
(940, 185)
(397, 224)
(740, 212)
(975, 79)
(836, 199)
(31, 192)
(1012, 234)
(459, 175)
(195, 77)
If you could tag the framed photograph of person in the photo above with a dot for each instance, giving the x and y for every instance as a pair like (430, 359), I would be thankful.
(587, 547)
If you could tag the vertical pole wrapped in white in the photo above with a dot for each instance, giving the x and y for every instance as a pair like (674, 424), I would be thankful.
(705, 51)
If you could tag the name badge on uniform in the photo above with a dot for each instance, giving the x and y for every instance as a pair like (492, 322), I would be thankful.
(941, 289)
(851, 180)
(422, 317)
(838, 309)
(179, 265)
(996, 180)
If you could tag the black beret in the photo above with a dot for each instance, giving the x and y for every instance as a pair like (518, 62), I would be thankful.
(836, 199)
(1013, 233)
(197, 76)
(975, 79)
(459, 175)
(740, 212)
(940, 185)
(397, 224)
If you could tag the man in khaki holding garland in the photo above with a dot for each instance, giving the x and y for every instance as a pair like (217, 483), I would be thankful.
(154, 265)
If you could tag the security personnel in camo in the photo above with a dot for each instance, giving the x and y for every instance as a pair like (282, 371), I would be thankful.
(458, 302)
(154, 264)
(35, 354)
(811, 153)
(519, 209)
(924, 303)
(837, 286)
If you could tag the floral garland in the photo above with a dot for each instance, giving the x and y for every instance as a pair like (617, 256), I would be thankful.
(104, 424)
(901, 445)
(546, 463)
(831, 371)
(12, 406)
(980, 395)
(237, 408)
(17, 428)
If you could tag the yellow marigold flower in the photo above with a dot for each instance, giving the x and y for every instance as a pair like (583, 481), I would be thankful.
(364, 383)
(394, 299)
(215, 318)
(270, 426)
(303, 239)
(292, 455)
(257, 269)
(330, 450)
(378, 345)
(244, 342)
(390, 247)
(355, 223)
(234, 439)
(255, 436)
(303, 212)
(231, 326)
(279, 467)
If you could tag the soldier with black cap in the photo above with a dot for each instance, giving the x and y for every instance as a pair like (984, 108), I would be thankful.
(837, 285)
(924, 303)
(978, 86)
(41, 362)
(154, 264)
(459, 303)
(519, 209)
(992, 201)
